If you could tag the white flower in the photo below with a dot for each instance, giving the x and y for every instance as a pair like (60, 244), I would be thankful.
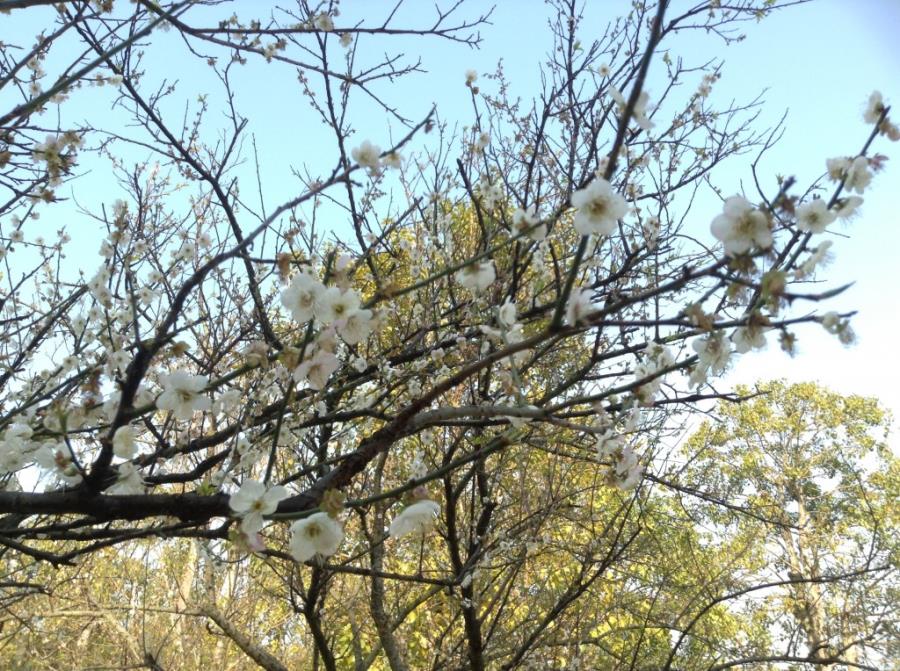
(506, 314)
(393, 160)
(855, 173)
(603, 70)
(858, 175)
(416, 518)
(814, 216)
(318, 534)
(639, 113)
(874, 108)
(181, 394)
(657, 357)
(346, 39)
(714, 352)
(847, 206)
(355, 327)
(626, 471)
(818, 255)
(524, 222)
(608, 444)
(253, 501)
(578, 306)
(747, 338)
(333, 304)
(301, 296)
(323, 22)
(741, 227)
(833, 323)
(317, 369)
(57, 459)
(128, 481)
(123, 442)
(471, 76)
(598, 208)
(227, 401)
(367, 155)
(477, 277)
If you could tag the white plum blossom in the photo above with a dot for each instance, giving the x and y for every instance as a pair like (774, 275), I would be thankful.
(319, 534)
(416, 518)
(858, 175)
(128, 481)
(253, 501)
(506, 314)
(182, 394)
(227, 401)
(477, 277)
(624, 469)
(14, 447)
(367, 155)
(317, 369)
(741, 227)
(301, 296)
(746, 338)
(855, 172)
(324, 22)
(713, 352)
(818, 256)
(847, 207)
(874, 108)
(356, 326)
(657, 357)
(639, 113)
(833, 323)
(814, 216)
(471, 76)
(346, 40)
(525, 222)
(598, 208)
(580, 304)
(123, 442)
(56, 458)
(333, 304)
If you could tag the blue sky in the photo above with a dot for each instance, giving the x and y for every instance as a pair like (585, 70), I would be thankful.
(819, 62)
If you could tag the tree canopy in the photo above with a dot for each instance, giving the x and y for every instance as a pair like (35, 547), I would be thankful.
(426, 402)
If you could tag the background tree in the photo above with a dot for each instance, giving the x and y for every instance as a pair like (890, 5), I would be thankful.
(817, 465)
(433, 381)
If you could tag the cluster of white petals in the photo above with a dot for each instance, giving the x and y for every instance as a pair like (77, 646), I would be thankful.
(306, 298)
(814, 216)
(741, 227)
(56, 458)
(750, 337)
(182, 394)
(525, 222)
(416, 518)
(317, 369)
(657, 357)
(128, 481)
(625, 470)
(477, 277)
(639, 112)
(124, 445)
(368, 155)
(713, 354)
(854, 172)
(319, 534)
(580, 304)
(253, 501)
(598, 208)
